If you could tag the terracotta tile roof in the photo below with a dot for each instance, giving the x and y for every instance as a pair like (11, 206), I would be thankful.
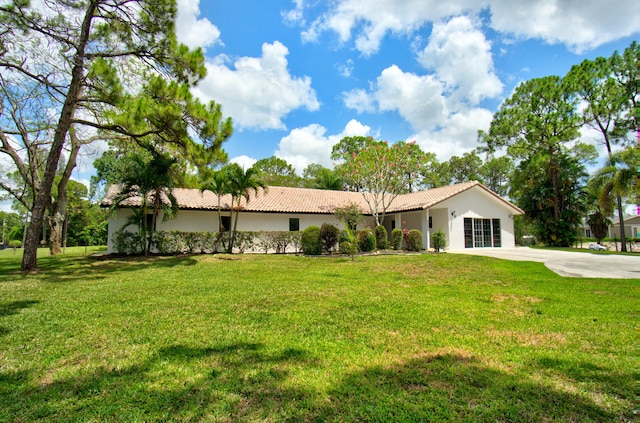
(305, 200)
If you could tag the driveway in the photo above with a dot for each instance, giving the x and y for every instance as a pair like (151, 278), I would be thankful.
(572, 264)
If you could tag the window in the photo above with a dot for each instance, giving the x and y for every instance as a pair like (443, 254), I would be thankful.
(226, 223)
(480, 233)
(294, 224)
(430, 222)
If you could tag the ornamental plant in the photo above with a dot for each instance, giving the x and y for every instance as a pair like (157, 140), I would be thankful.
(382, 239)
(328, 237)
(438, 241)
(414, 240)
(396, 239)
(311, 244)
(366, 240)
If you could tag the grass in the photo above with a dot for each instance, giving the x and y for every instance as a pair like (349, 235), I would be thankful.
(283, 338)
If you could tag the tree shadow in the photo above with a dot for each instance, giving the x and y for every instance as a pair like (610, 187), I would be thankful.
(241, 381)
(13, 307)
(452, 387)
(54, 269)
(249, 382)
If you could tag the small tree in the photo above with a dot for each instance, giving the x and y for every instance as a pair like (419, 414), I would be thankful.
(328, 237)
(438, 241)
(350, 216)
(599, 225)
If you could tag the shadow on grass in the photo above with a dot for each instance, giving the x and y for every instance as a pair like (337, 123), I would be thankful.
(73, 267)
(247, 382)
(13, 307)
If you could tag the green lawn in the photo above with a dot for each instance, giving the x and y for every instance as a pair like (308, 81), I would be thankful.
(283, 338)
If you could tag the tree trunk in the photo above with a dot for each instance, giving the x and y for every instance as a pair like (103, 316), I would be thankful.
(623, 241)
(56, 222)
(58, 212)
(43, 197)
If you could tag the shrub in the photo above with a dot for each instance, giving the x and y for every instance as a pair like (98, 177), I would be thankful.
(125, 242)
(346, 248)
(328, 237)
(382, 238)
(438, 241)
(311, 241)
(366, 240)
(414, 240)
(396, 239)
(15, 243)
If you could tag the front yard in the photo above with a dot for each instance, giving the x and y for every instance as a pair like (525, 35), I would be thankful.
(276, 338)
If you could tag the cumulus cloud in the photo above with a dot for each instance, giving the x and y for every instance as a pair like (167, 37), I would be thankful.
(257, 92)
(310, 144)
(192, 31)
(460, 56)
(457, 135)
(245, 162)
(580, 25)
(371, 21)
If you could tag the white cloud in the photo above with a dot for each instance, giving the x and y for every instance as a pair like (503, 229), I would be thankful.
(257, 92)
(371, 21)
(457, 135)
(309, 144)
(245, 162)
(460, 56)
(192, 31)
(294, 16)
(418, 99)
(580, 25)
(359, 100)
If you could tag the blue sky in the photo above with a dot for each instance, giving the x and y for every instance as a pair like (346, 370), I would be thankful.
(297, 76)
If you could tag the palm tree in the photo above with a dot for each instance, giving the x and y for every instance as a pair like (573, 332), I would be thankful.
(218, 183)
(621, 174)
(329, 180)
(241, 183)
(151, 180)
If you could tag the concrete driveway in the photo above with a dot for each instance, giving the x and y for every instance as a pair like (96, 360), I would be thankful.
(565, 263)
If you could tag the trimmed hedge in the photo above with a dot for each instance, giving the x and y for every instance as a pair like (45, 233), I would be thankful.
(329, 237)
(396, 239)
(311, 244)
(366, 240)
(178, 242)
(382, 238)
(414, 240)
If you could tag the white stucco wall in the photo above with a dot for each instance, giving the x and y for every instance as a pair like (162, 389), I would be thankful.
(207, 221)
(472, 203)
(477, 203)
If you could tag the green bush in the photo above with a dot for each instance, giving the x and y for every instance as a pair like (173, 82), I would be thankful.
(438, 241)
(125, 242)
(396, 239)
(328, 237)
(366, 240)
(311, 241)
(345, 247)
(414, 240)
(382, 238)
(15, 243)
